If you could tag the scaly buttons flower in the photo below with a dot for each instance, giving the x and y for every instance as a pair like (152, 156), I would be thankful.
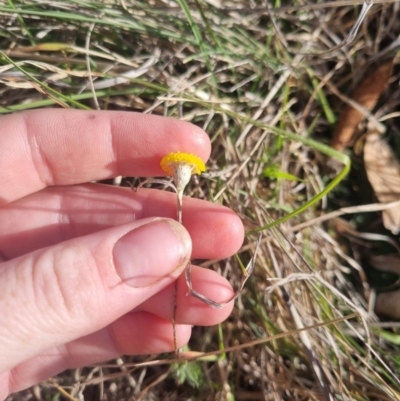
(181, 165)
(170, 162)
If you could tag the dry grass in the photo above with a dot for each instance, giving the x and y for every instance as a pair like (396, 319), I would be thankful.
(262, 93)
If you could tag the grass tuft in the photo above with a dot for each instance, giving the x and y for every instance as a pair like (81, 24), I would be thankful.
(266, 94)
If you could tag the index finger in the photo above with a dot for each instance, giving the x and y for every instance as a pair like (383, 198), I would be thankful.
(47, 147)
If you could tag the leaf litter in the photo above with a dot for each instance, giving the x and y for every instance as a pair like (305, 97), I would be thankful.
(250, 73)
(383, 171)
(366, 96)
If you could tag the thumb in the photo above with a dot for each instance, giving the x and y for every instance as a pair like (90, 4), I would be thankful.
(57, 294)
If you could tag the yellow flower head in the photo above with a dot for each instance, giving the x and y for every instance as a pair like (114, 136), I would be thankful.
(170, 162)
(181, 166)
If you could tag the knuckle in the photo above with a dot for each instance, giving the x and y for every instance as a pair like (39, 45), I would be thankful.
(63, 283)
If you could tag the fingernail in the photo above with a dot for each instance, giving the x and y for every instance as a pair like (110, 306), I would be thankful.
(150, 252)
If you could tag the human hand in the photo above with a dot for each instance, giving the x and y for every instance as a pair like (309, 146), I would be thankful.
(87, 270)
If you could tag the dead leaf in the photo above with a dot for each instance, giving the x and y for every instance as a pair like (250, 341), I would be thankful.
(386, 263)
(383, 171)
(366, 95)
(388, 304)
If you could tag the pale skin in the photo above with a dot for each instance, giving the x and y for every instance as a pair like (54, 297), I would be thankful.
(87, 271)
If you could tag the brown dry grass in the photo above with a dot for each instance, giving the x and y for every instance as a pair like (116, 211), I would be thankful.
(229, 65)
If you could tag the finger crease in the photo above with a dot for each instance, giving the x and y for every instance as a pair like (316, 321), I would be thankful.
(64, 218)
(39, 160)
(113, 146)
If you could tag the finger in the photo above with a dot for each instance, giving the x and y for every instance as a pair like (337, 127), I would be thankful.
(135, 333)
(191, 310)
(130, 333)
(57, 294)
(42, 148)
(60, 213)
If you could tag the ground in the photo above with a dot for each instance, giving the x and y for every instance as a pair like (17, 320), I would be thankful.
(268, 82)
